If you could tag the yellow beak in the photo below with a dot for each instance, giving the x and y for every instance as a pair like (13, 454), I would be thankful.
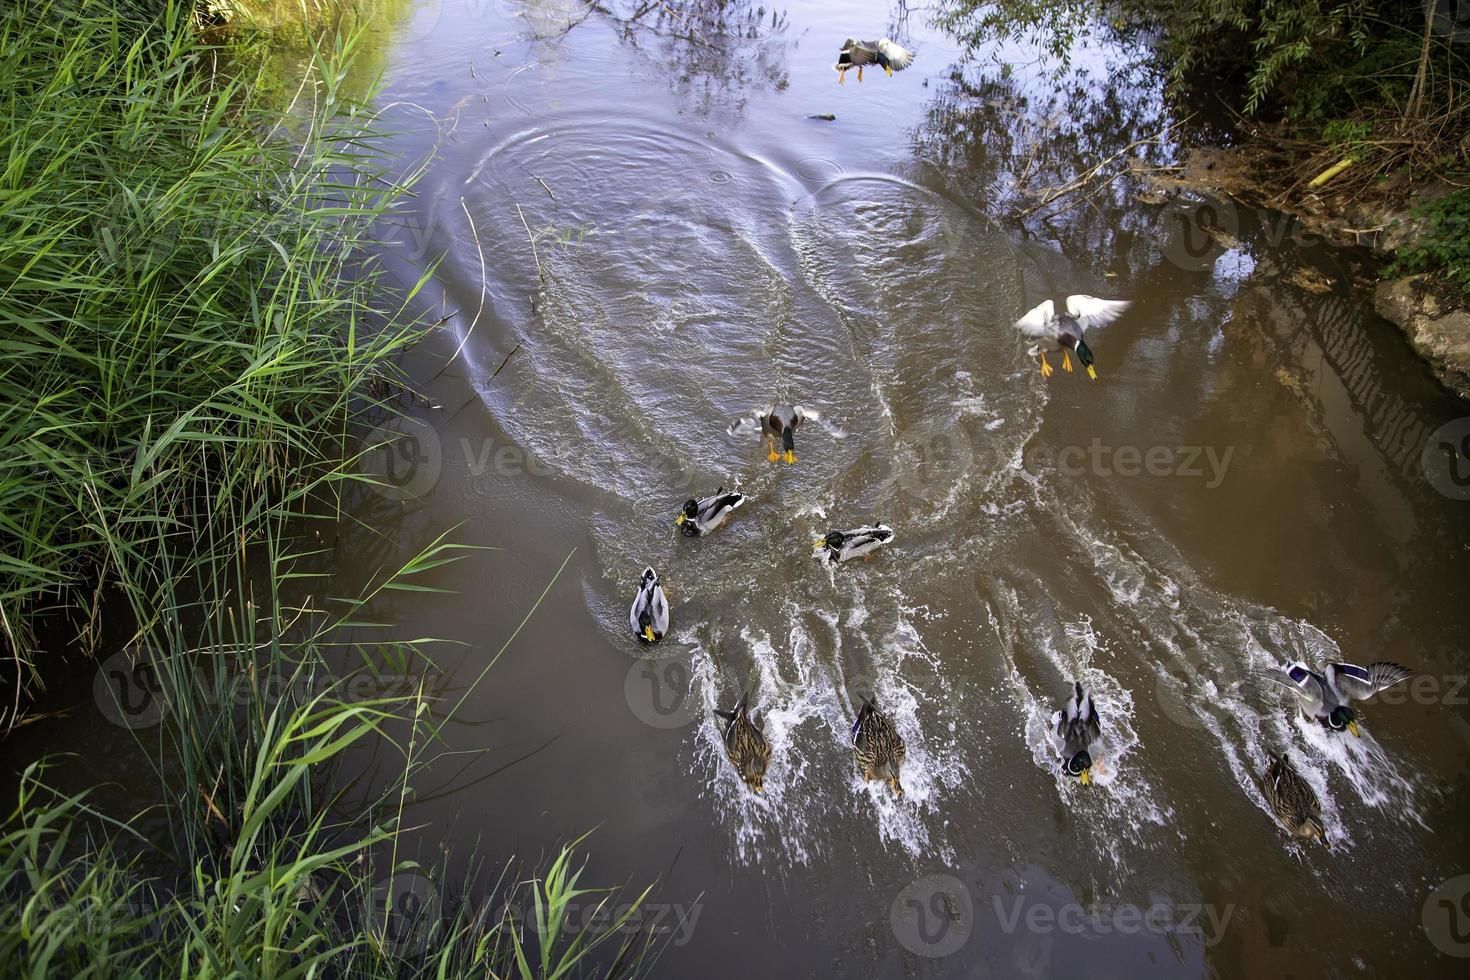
(648, 633)
(888, 70)
(680, 519)
(1086, 778)
(789, 456)
(1091, 373)
(1353, 727)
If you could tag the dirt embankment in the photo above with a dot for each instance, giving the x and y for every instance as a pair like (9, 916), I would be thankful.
(1379, 218)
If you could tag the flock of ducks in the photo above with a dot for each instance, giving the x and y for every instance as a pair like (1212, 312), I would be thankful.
(878, 748)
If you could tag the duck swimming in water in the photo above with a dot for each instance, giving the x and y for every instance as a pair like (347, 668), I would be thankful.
(1080, 729)
(1325, 699)
(1293, 800)
(877, 746)
(858, 542)
(746, 745)
(780, 422)
(1053, 331)
(649, 615)
(857, 54)
(703, 516)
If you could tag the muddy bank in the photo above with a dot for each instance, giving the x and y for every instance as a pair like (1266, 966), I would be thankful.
(1380, 219)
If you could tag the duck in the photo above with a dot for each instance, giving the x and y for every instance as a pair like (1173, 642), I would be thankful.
(1053, 331)
(858, 542)
(703, 516)
(877, 746)
(649, 616)
(780, 422)
(1325, 698)
(1293, 800)
(746, 745)
(1080, 729)
(886, 54)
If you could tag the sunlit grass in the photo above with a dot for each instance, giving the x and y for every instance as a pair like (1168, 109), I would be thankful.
(184, 311)
(191, 331)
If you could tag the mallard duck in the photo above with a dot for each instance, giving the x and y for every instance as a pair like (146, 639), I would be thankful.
(703, 516)
(859, 542)
(649, 616)
(1053, 331)
(877, 746)
(780, 422)
(746, 745)
(1326, 698)
(1293, 799)
(1080, 730)
(856, 54)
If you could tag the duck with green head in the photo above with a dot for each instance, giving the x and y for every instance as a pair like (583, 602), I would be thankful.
(858, 542)
(649, 615)
(778, 423)
(1051, 331)
(1325, 698)
(1080, 729)
(699, 517)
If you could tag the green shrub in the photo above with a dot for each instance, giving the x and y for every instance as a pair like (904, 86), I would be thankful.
(1445, 244)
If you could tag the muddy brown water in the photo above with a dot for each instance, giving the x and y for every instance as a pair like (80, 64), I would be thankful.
(1259, 475)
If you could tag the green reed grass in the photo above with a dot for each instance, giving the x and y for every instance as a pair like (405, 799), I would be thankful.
(188, 340)
(185, 309)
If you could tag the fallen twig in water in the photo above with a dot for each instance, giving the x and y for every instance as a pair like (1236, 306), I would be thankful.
(530, 237)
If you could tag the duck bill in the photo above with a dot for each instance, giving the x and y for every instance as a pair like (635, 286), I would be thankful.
(1353, 728)
(1086, 777)
(648, 634)
(681, 519)
(1092, 372)
(788, 444)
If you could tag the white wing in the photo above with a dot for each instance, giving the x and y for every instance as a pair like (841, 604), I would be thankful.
(660, 610)
(747, 425)
(1092, 312)
(1033, 324)
(898, 57)
(836, 431)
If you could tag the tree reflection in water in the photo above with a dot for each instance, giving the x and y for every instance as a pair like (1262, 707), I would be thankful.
(710, 50)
